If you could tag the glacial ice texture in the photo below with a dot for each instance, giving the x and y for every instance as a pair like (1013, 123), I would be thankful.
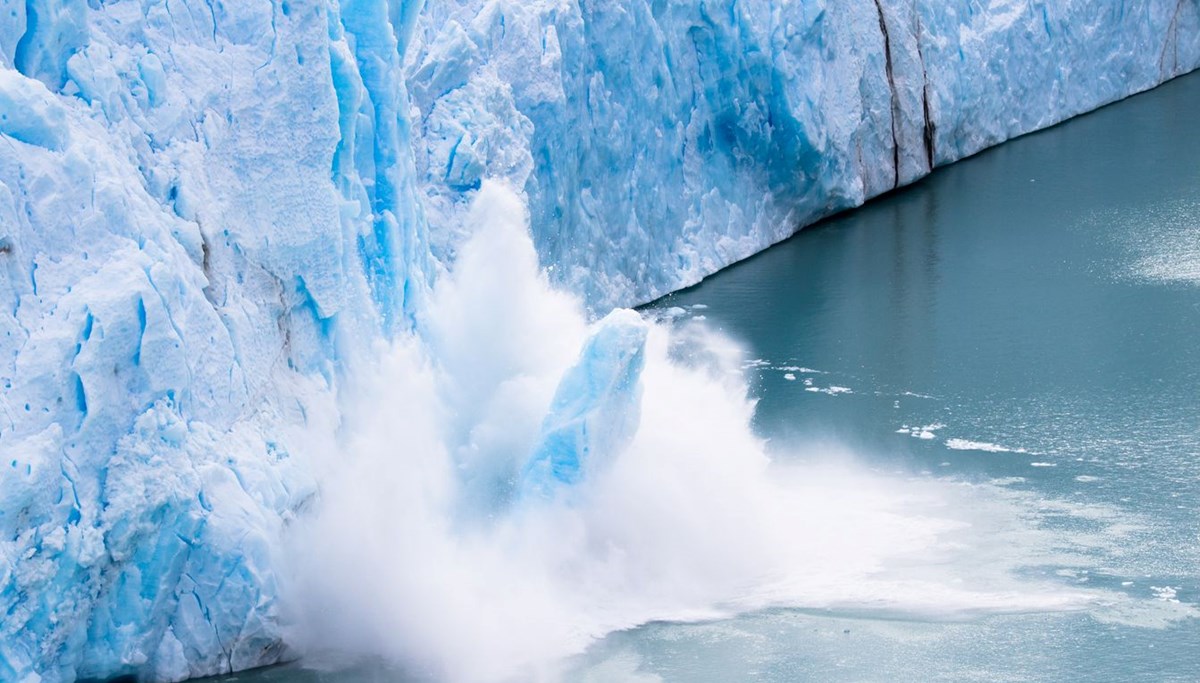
(661, 141)
(595, 410)
(209, 209)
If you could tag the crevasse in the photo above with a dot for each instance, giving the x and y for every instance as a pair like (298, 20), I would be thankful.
(209, 209)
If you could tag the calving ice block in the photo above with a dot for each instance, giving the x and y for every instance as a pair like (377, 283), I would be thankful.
(595, 411)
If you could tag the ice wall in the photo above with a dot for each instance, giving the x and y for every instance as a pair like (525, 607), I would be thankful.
(209, 209)
(204, 207)
(660, 141)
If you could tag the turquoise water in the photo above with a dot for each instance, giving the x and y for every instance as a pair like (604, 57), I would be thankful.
(1042, 298)
(1026, 319)
(1044, 295)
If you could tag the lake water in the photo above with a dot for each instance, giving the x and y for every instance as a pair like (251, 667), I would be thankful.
(1035, 312)
(1026, 319)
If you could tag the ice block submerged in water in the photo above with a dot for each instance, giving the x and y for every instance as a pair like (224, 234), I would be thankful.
(596, 408)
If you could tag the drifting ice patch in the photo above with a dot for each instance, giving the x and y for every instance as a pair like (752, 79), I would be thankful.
(926, 432)
(967, 445)
(831, 390)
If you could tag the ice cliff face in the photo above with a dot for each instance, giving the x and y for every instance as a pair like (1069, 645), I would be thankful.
(659, 141)
(197, 204)
(208, 209)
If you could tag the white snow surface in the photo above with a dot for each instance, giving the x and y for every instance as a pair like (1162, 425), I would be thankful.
(209, 210)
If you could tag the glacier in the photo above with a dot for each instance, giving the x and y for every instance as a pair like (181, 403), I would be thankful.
(209, 210)
(595, 408)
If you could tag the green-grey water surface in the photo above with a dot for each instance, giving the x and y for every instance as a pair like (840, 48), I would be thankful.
(1028, 317)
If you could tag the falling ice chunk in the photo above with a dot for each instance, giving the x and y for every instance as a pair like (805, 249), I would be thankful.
(596, 408)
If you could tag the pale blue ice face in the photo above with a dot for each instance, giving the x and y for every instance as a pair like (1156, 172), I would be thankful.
(595, 411)
(210, 210)
(660, 141)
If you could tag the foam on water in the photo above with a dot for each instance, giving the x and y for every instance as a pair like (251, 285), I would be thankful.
(422, 552)
(985, 446)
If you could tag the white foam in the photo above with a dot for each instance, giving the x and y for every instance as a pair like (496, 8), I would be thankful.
(425, 558)
(830, 390)
(1165, 593)
(1007, 481)
(800, 369)
(673, 313)
(926, 432)
(967, 445)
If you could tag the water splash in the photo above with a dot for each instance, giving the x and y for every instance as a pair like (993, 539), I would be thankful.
(423, 551)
